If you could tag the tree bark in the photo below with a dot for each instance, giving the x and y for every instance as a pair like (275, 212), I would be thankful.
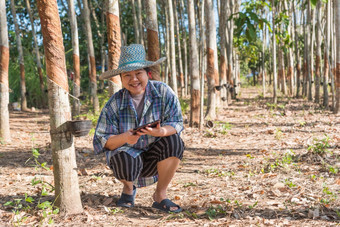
(76, 59)
(184, 40)
(337, 86)
(152, 37)
(135, 22)
(63, 153)
(173, 79)
(140, 21)
(114, 42)
(212, 72)
(274, 56)
(179, 51)
(318, 53)
(297, 52)
(37, 53)
(5, 135)
(194, 68)
(21, 59)
(92, 61)
(223, 68)
(326, 56)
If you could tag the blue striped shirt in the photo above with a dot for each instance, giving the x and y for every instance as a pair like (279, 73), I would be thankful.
(119, 115)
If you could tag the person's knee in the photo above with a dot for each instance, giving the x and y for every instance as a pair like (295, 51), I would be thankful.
(125, 167)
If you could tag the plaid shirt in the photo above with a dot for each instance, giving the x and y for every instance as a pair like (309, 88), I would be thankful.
(119, 115)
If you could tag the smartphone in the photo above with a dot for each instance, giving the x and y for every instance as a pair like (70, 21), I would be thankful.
(151, 125)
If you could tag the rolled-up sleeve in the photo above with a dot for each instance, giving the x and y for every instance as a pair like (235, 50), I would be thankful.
(173, 113)
(107, 126)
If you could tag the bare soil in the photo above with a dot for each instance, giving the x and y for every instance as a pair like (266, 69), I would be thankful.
(259, 165)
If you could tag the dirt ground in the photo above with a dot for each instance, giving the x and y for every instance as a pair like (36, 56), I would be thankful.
(259, 165)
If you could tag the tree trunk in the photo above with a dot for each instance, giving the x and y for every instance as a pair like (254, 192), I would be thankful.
(263, 58)
(318, 53)
(326, 56)
(5, 135)
(309, 50)
(90, 49)
(297, 52)
(202, 62)
(140, 21)
(63, 153)
(337, 86)
(76, 59)
(230, 74)
(21, 59)
(152, 37)
(223, 53)
(212, 73)
(274, 56)
(114, 42)
(37, 53)
(194, 67)
(184, 40)
(173, 79)
(179, 51)
(135, 22)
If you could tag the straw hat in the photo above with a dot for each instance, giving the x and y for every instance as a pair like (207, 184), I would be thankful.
(131, 58)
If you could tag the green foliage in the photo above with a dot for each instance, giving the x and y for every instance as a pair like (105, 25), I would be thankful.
(320, 146)
(185, 104)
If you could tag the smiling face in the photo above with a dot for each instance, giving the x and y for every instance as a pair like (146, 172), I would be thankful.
(135, 81)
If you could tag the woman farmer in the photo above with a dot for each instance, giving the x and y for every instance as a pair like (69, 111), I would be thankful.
(151, 154)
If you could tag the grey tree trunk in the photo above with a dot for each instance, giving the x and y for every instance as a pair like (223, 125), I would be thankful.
(5, 135)
(76, 59)
(337, 23)
(333, 56)
(173, 79)
(135, 22)
(167, 46)
(202, 62)
(184, 40)
(21, 59)
(223, 53)
(140, 21)
(37, 53)
(152, 36)
(274, 55)
(309, 50)
(297, 52)
(114, 42)
(194, 67)
(326, 56)
(318, 53)
(63, 153)
(212, 67)
(179, 51)
(230, 75)
(90, 49)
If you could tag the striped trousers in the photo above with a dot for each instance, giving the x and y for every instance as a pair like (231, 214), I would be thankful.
(125, 167)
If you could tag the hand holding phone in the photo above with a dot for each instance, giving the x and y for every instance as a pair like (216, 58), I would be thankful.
(150, 125)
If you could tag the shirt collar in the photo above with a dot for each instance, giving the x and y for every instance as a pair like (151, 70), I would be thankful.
(150, 93)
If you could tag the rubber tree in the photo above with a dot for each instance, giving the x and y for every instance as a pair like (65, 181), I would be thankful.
(212, 64)
(90, 50)
(4, 62)
(194, 67)
(114, 42)
(223, 53)
(274, 54)
(297, 51)
(173, 78)
(337, 22)
(37, 54)
(21, 60)
(67, 194)
(318, 53)
(326, 54)
(179, 51)
(152, 36)
(76, 59)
